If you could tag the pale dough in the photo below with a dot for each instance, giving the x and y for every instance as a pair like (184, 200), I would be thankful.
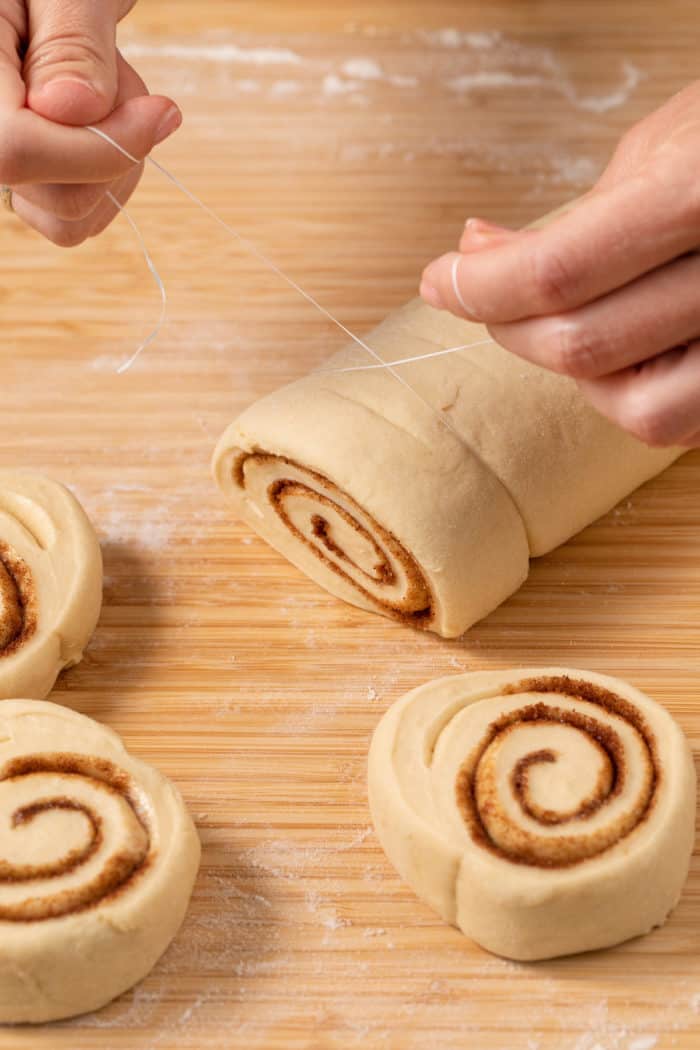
(543, 811)
(98, 857)
(359, 484)
(50, 582)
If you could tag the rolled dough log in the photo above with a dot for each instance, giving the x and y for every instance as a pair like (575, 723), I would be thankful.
(543, 811)
(98, 857)
(361, 485)
(50, 582)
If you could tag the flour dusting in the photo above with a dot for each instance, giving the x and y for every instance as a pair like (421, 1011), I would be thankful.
(457, 61)
(363, 69)
(224, 54)
(454, 38)
(334, 85)
(486, 79)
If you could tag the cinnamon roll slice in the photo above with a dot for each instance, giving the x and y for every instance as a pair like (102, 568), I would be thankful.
(50, 582)
(97, 861)
(543, 812)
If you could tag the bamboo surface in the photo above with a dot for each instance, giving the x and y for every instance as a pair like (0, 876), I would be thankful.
(256, 692)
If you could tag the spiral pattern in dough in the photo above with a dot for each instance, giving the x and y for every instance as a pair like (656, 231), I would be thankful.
(333, 529)
(17, 601)
(47, 800)
(98, 856)
(505, 814)
(542, 813)
(50, 582)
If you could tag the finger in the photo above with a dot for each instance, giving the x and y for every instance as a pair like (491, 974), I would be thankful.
(69, 203)
(69, 234)
(70, 67)
(478, 236)
(78, 201)
(692, 442)
(631, 325)
(659, 403)
(12, 90)
(30, 145)
(604, 242)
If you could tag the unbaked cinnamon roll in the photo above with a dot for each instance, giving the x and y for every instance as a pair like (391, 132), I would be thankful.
(543, 812)
(97, 861)
(50, 582)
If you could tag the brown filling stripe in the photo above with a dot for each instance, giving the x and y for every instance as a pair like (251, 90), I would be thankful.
(119, 869)
(414, 606)
(477, 792)
(18, 601)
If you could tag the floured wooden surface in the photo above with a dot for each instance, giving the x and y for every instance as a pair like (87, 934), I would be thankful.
(350, 141)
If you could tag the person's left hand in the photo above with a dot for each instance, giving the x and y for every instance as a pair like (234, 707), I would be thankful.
(60, 70)
(609, 292)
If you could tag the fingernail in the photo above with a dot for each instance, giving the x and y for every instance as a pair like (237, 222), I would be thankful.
(482, 230)
(170, 123)
(430, 294)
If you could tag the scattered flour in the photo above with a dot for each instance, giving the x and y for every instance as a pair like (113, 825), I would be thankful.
(603, 103)
(246, 87)
(495, 79)
(454, 38)
(285, 88)
(477, 61)
(363, 69)
(224, 54)
(643, 1042)
(334, 85)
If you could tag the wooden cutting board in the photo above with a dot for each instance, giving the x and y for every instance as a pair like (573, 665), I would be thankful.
(350, 140)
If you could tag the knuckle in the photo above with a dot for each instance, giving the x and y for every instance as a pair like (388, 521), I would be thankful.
(642, 418)
(574, 351)
(73, 47)
(632, 139)
(552, 280)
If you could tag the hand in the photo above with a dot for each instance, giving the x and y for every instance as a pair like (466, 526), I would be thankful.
(59, 66)
(609, 292)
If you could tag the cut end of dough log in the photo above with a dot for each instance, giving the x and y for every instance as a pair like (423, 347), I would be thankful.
(329, 526)
(397, 520)
(543, 812)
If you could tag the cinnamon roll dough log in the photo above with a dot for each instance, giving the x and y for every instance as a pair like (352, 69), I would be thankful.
(98, 857)
(360, 484)
(542, 811)
(50, 582)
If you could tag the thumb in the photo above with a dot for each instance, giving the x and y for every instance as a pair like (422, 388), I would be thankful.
(70, 67)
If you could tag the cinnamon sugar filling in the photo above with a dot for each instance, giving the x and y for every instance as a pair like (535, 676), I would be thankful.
(18, 601)
(477, 790)
(119, 869)
(414, 605)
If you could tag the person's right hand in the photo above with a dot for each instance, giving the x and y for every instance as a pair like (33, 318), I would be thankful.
(60, 70)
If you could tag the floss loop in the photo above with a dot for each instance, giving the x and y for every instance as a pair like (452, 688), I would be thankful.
(274, 268)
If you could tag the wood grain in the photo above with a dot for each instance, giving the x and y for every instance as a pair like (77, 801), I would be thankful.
(217, 661)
